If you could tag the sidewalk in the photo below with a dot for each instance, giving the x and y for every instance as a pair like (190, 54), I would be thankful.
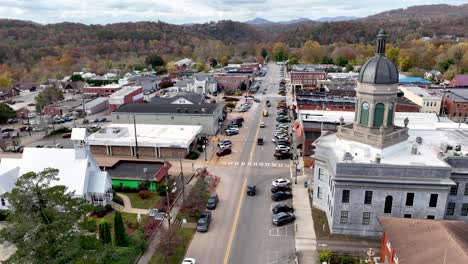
(127, 208)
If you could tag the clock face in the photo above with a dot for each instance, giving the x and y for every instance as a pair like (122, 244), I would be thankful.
(365, 106)
(391, 106)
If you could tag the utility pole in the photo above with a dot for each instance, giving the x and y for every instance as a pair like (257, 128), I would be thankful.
(167, 197)
(183, 181)
(29, 125)
(137, 154)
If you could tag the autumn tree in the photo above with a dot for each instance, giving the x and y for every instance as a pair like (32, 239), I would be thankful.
(171, 66)
(280, 51)
(224, 60)
(169, 241)
(48, 96)
(392, 53)
(405, 63)
(312, 52)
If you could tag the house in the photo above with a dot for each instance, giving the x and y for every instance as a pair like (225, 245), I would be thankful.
(422, 241)
(126, 95)
(373, 167)
(184, 63)
(6, 92)
(202, 83)
(94, 106)
(78, 170)
(152, 141)
(433, 75)
(430, 101)
(231, 82)
(105, 90)
(75, 87)
(61, 108)
(26, 87)
(188, 109)
(455, 104)
(460, 80)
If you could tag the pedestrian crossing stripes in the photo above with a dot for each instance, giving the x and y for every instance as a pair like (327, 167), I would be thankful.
(256, 164)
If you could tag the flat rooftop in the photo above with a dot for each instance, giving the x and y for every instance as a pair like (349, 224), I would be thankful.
(124, 91)
(420, 91)
(134, 170)
(167, 136)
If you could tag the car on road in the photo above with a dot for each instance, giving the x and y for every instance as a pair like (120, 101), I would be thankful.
(281, 182)
(225, 143)
(189, 261)
(236, 122)
(233, 126)
(265, 113)
(251, 190)
(282, 148)
(58, 145)
(262, 124)
(36, 129)
(276, 189)
(259, 141)
(282, 208)
(283, 119)
(232, 131)
(223, 151)
(280, 196)
(39, 146)
(279, 125)
(280, 155)
(257, 100)
(283, 218)
(66, 135)
(204, 221)
(212, 201)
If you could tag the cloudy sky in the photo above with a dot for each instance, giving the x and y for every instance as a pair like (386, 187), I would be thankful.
(194, 11)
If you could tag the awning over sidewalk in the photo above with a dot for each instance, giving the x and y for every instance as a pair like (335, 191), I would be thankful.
(161, 173)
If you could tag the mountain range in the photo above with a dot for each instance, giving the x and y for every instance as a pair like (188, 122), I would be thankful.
(262, 21)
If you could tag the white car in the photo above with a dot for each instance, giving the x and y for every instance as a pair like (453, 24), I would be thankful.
(189, 261)
(282, 147)
(262, 124)
(282, 126)
(281, 182)
(32, 115)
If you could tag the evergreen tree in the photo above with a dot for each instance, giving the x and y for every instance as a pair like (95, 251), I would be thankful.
(104, 232)
(119, 230)
(263, 53)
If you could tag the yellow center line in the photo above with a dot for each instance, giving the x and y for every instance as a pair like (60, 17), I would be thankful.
(241, 199)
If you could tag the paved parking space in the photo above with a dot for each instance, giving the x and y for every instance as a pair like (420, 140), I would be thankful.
(281, 257)
(282, 231)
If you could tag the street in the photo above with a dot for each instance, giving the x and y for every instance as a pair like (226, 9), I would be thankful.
(242, 229)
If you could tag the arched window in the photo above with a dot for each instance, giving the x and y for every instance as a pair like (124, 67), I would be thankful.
(390, 114)
(388, 204)
(379, 112)
(3, 202)
(364, 118)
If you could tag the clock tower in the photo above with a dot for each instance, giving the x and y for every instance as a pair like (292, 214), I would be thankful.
(376, 96)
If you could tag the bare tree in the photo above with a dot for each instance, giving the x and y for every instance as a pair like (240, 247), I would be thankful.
(168, 243)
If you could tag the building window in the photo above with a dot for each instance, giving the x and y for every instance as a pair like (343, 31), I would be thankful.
(395, 259)
(388, 204)
(320, 174)
(433, 200)
(117, 117)
(344, 217)
(172, 118)
(464, 209)
(3, 202)
(366, 218)
(409, 199)
(364, 118)
(319, 192)
(407, 215)
(368, 197)
(345, 196)
(454, 189)
(451, 208)
(379, 112)
(430, 217)
(466, 189)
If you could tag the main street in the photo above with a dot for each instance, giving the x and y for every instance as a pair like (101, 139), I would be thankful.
(241, 230)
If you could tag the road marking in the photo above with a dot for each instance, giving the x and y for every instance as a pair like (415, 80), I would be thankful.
(234, 225)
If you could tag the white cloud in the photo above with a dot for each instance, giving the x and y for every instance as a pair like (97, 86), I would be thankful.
(193, 11)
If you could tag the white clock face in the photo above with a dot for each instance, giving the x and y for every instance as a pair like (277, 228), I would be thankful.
(365, 106)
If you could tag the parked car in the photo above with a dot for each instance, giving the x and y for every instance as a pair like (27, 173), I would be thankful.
(204, 221)
(282, 148)
(58, 145)
(232, 131)
(225, 143)
(66, 135)
(280, 196)
(283, 119)
(223, 151)
(8, 129)
(32, 115)
(281, 182)
(276, 189)
(39, 146)
(283, 218)
(280, 155)
(282, 208)
(212, 201)
(251, 190)
(189, 261)
(279, 125)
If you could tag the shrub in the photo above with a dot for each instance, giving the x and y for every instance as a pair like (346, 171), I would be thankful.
(325, 255)
(161, 189)
(231, 105)
(346, 260)
(3, 215)
(90, 224)
(120, 235)
(144, 185)
(100, 210)
(104, 232)
(193, 155)
(117, 199)
(137, 240)
(144, 194)
(108, 208)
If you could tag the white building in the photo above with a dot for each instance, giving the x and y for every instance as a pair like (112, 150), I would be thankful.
(184, 63)
(78, 170)
(202, 83)
(429, 101)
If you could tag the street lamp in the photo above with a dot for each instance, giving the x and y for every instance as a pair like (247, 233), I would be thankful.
(295, 179)
(204, 150)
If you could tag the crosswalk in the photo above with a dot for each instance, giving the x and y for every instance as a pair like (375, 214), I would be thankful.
(256, 164)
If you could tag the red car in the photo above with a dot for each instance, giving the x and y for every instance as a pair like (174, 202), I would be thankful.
(223, 151)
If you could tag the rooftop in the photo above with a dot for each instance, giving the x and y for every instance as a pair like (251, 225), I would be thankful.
(458, 94)
(120, 94)
(414, 80)
(147, 135)
(425, 93)
(151, 108)
(421, 241)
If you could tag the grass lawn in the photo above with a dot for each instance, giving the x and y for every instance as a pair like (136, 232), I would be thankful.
(126, 217)
(186, 234)
(148, 203)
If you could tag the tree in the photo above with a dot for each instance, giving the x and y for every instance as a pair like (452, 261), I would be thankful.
(312, 52)
(6, 112)
(48, 96)
(341, 61)
(120, 235)
(171, 66)
(405, 63)
(224, 60)
(280, 51)
(293, 60)
(392, 53)
(264, 53)
(349, 67)
(104, 232)
(76, 78)
(169, 241)
(154, 60)
(43, 221)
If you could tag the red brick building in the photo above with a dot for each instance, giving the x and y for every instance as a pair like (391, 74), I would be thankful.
(226, 81)
(422, 241)
(460, 80)
(455, 104)
(126, 95)
(105, 90)
(250, 66)
(306, 79)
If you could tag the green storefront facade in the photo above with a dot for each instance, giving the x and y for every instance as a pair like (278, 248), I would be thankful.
(132, 183)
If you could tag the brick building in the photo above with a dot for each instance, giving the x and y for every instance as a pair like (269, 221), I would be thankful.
(105, 90)
(152, 141)
(455, 104)
(227, 81)
(126, 95)
(305, 79)
(421, 241)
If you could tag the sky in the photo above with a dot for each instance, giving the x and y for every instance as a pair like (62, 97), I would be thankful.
(194, 11)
